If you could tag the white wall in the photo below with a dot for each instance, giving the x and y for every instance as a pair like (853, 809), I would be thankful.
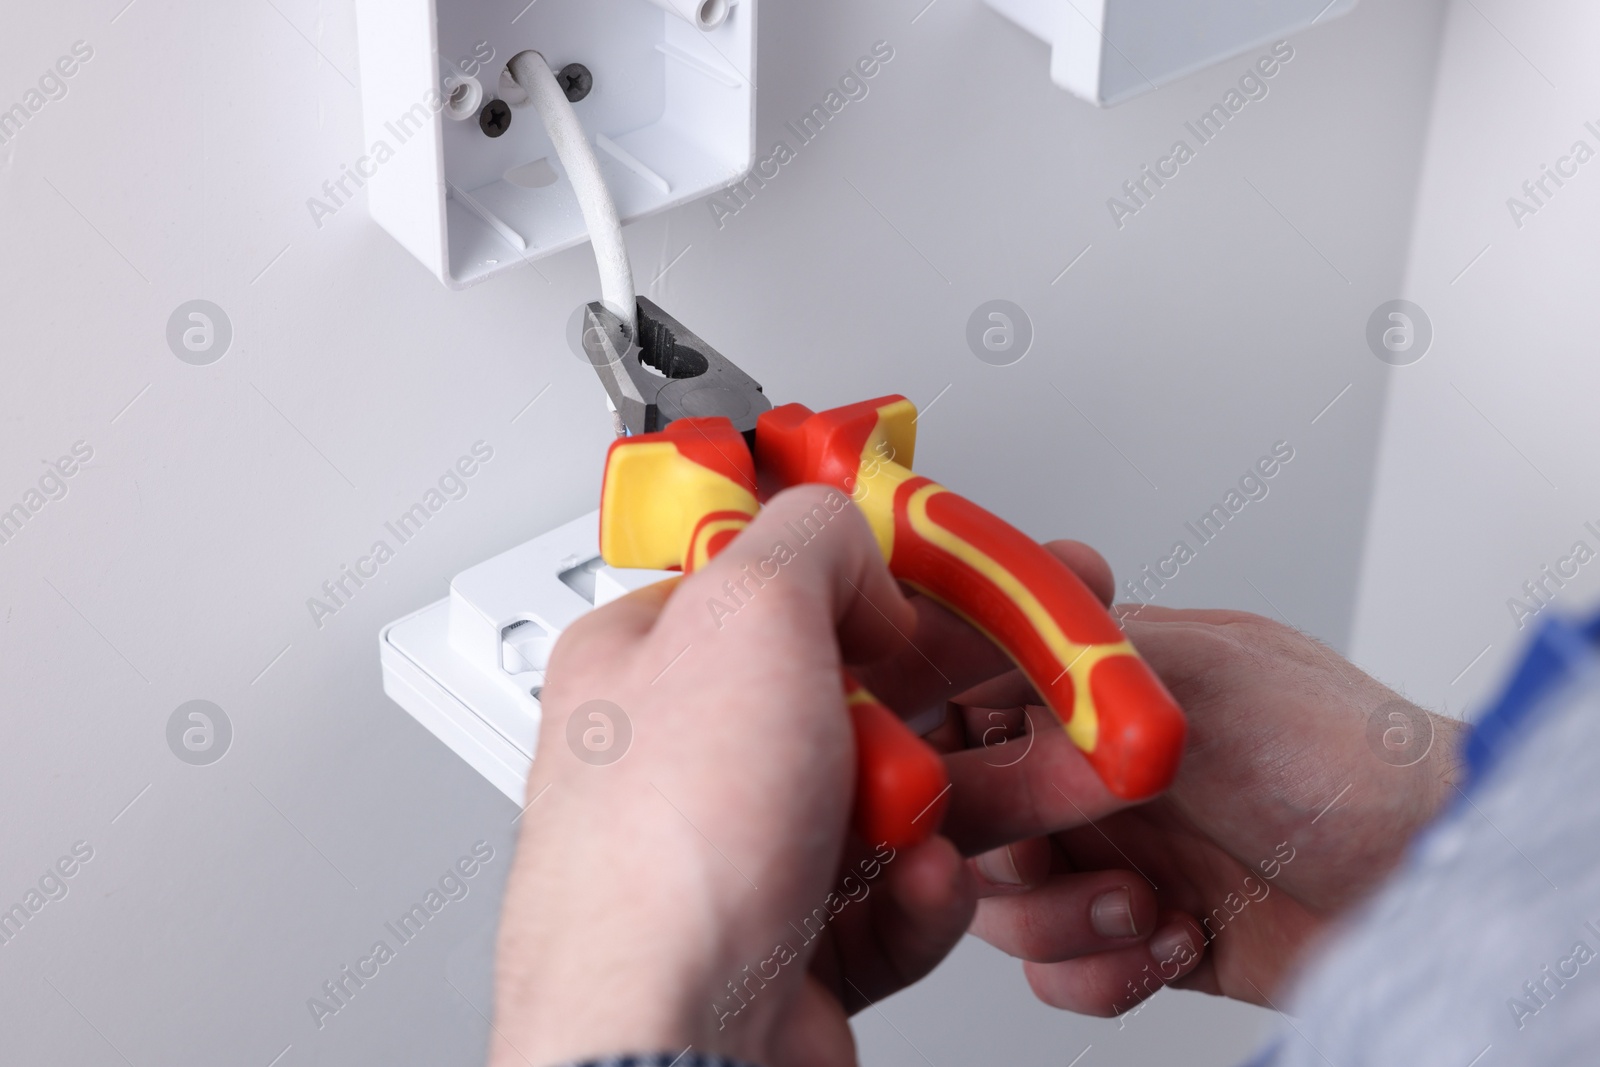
(1224, 317)
(1486, 473)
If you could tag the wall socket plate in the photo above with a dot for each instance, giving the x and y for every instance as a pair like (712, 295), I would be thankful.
(1108, 51)
(470, 667)
(671, 114)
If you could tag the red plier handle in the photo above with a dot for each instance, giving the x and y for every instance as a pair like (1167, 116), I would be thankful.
(1028, 602)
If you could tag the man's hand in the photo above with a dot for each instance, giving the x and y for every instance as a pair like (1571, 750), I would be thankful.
(1302, 783)
(701, 890)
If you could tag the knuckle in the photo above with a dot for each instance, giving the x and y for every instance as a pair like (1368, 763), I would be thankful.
(1255, 630)
(1215, 652)
(1023, 931)
(1267, 642)
(1032, 939)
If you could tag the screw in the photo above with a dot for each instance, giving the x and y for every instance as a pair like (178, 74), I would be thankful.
(576, 81)
(495, 118)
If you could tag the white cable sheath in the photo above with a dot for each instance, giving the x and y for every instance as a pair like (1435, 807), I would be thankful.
(530, 71)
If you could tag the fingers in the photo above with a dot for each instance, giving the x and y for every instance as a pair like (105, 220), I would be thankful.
(608, 630)
(1071, 915)
(996, 724)
(1011, 869)
(935, 659)
(927, 909)
(989, 715)
(1088, 564)
(1113, 982)
(1009, 690)
(915, 915)
(808, 564)
(998, 796)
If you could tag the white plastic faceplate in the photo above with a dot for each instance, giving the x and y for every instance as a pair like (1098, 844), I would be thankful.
(1108, 51)
(470, 667)
(671, 113)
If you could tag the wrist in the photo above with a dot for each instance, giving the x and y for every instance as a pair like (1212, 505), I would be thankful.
(1445, 762)
(629, 987)
(561, 1009)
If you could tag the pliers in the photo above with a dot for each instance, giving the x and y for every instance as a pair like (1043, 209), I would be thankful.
(703, 446)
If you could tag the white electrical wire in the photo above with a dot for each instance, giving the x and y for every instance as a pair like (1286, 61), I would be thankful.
(530, 71)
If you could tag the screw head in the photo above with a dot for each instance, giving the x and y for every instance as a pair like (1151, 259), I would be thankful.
(576, 81)
(495, 118)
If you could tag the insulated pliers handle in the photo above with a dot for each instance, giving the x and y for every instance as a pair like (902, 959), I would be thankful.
(672, 500)
(1003, 582)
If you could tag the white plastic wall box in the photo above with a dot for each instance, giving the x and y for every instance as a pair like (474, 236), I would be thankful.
(470, 667)
(1107, 51)
(671, 114)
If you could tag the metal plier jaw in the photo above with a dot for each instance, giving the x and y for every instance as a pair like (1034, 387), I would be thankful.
(669, 373)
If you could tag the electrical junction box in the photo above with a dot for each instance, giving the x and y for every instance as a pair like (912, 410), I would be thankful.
(1108, 51)
(670, 110)
(470, 667)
